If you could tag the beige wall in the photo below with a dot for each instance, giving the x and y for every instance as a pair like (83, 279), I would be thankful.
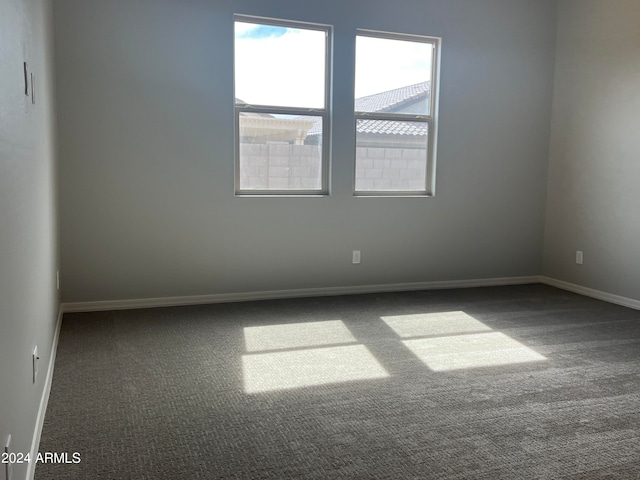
(593, 200)
(145, 94)
(28, 246)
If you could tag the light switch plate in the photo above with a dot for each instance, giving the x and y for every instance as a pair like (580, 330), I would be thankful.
(34, 359)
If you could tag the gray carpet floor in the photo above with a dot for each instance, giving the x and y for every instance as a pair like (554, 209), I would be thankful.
(488, 383)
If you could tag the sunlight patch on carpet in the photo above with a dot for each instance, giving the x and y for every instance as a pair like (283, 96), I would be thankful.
(459, 352)
(296, 335)
(438, 323)
(304, 368)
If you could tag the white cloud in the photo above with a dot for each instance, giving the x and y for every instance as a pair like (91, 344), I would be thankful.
(289, 70)
(383, 64)
(244, 27)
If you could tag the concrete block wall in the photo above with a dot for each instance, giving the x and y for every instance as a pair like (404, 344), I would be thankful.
(280, 167)
(289, 167)
(379, 168)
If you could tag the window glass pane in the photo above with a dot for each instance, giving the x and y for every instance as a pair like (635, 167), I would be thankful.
(393, 75)
(279, 66)
(280, 152)
(391, 155)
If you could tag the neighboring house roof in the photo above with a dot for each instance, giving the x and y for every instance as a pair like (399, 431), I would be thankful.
(253, 114)
(389, 102)
(388, 127)
(392, 100)
(275, 129)
(410, 98)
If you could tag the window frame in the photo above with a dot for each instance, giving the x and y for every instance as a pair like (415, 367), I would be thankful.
(430, 119)
(324, 113)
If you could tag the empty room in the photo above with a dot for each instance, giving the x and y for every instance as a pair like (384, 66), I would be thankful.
(264, 239)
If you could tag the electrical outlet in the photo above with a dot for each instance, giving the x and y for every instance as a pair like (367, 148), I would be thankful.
(8, 467)
(34, 359)
(356, 256)
(579, 257)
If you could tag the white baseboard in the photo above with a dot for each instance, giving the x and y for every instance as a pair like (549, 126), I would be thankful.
(44, 399)
(590, 292)
(294, 293)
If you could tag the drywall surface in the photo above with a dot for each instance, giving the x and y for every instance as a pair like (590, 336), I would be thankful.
(594, 170)
(28, 247)
(145, 93)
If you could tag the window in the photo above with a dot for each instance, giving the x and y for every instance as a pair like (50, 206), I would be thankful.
(395, 93)
(281, 82)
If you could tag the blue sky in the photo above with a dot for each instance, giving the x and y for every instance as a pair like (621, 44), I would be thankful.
(263, 31)
(279, 65)
(285, 66)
